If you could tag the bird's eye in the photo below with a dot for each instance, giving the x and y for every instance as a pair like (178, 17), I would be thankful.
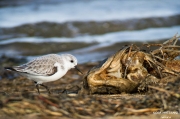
(71, 61)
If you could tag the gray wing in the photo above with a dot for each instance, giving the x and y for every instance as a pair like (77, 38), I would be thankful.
(41, 66)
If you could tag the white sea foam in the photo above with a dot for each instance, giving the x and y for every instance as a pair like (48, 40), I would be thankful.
(86, 55)
(144, 35)
(85, 10)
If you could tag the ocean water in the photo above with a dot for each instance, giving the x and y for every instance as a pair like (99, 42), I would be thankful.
(86, 10)
(61, 11)
(149, 34)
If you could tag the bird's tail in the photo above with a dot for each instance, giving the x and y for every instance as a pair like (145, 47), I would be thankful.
(9, 68)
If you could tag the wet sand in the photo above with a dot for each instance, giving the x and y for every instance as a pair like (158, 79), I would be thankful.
(72, 29)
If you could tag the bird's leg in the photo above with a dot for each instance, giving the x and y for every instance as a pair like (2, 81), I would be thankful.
(64, 91)
(37, 86)
(46, 88)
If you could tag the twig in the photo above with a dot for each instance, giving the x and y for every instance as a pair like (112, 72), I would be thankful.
(47, 101)
(142, 110)
(166, 91)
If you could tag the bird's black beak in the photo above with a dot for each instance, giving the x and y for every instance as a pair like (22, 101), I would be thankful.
(78, 69)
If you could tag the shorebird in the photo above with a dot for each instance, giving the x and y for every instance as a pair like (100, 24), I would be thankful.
(46, 68)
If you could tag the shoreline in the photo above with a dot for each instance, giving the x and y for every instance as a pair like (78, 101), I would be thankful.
(77, 28)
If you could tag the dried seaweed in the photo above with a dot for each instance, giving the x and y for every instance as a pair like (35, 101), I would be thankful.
(19, 99)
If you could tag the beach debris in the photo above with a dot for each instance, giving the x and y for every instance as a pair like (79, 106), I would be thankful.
(132, 69)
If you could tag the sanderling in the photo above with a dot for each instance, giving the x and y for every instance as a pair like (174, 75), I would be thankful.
(46, 68)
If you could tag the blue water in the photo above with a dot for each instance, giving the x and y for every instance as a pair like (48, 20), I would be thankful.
(149, 34)
(62, 11)
(87, 10)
